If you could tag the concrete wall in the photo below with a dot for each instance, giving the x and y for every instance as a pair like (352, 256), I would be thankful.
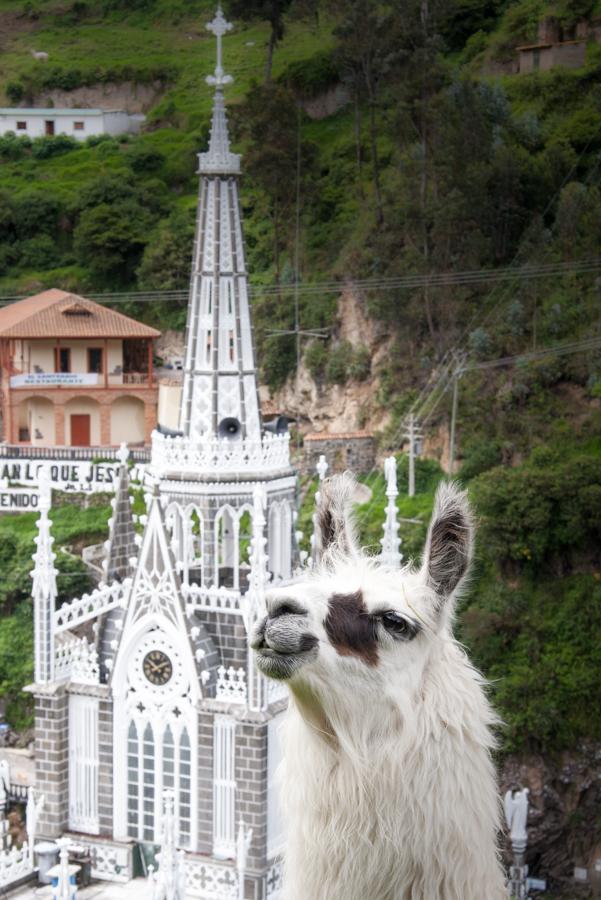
(41, 421)
(41, 353)
(357, 454)
(169, 400)
(571, 55)
(127, 421)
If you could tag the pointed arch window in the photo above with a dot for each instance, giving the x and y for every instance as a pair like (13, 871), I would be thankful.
(148, 785)
(184, 794)
(133, 797)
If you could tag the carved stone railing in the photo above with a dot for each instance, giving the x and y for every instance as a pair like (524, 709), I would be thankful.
(212, 599)
(231, 685)
(28, 451)
(209, 881)
(185, 456)
(15, 864)
(101, 600)
(75, 660)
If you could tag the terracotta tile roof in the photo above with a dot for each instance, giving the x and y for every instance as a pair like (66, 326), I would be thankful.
(337, 436)
(58, 314)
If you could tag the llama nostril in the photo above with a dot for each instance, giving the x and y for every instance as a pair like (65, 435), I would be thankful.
(285, 606)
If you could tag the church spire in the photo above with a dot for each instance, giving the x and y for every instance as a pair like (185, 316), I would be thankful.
(219, 396)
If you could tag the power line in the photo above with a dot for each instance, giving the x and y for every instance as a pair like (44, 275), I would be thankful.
(404, 282)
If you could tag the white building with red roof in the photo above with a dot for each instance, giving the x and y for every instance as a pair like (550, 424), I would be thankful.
(75, 373)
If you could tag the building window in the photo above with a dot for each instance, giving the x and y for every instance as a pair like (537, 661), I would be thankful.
(156, 762)
(536, 59)
(21, 126)
(95, 360)
(83, 764)
(79, 126)
(224, 787)
(62, 359)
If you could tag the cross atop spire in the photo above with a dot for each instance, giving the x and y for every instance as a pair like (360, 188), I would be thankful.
(219, 27)
(219, 160)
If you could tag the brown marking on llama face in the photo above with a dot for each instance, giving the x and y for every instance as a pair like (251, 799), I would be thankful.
(350, 628)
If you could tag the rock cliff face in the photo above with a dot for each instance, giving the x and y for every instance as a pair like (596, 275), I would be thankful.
(564, 821)
(320, 406)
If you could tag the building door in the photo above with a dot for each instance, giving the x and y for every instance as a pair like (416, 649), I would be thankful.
(49, 123)
(80, 430)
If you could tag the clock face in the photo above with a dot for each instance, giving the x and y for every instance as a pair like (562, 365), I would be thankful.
(157, 667)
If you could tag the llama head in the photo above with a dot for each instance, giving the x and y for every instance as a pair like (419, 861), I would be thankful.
(354, 627)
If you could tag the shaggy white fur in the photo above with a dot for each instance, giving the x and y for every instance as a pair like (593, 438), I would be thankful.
(388, 787)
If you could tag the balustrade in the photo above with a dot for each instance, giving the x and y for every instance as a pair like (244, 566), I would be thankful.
(89, 606)
(179, 454)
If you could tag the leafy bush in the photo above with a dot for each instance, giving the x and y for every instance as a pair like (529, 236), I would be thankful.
(13, 147)
(145, 159)
(15, 91)
(316, 358)
(337, 366)
(310, 77)
(38, 253)
(359, 366)
(480, 458)
(109, 240)
(545, 513)
(46, 147)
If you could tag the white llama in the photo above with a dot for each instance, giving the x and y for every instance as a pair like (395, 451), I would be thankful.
(41, 55)
(388, 787)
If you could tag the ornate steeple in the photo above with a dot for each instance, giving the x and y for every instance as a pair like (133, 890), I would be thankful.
(219, 398)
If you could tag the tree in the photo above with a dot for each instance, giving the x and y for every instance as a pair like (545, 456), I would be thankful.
(167, 258)
(273, 11)
(110, 239)
(364, 37)
(269, 120)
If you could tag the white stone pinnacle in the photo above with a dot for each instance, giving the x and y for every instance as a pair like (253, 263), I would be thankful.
(391, 555)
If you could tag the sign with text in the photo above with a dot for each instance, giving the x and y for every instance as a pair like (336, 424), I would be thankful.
(75, 476)
(18, 499)
(54, 379)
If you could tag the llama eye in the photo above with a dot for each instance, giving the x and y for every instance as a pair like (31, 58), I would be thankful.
(395, 624)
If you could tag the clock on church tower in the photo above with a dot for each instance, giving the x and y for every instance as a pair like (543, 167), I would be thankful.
(157, 667)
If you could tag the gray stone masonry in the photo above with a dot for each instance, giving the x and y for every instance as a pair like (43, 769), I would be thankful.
(205, 783)
(229, 636)
(352, 450)
(251, 787)
(105, 766)
(52, 759)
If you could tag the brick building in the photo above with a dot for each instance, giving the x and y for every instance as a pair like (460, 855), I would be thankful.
(74, 373)
(354, 450)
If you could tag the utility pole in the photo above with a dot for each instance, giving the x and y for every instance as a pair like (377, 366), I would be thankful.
(456, 376)
(413, 434)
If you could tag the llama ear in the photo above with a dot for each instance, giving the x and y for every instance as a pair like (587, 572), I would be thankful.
(335, 525)
(449, 543)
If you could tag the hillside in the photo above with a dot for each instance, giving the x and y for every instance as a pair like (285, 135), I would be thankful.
(422, 152)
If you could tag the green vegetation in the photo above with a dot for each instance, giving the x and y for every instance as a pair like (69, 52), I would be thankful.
(440, 159)
(72, 528)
